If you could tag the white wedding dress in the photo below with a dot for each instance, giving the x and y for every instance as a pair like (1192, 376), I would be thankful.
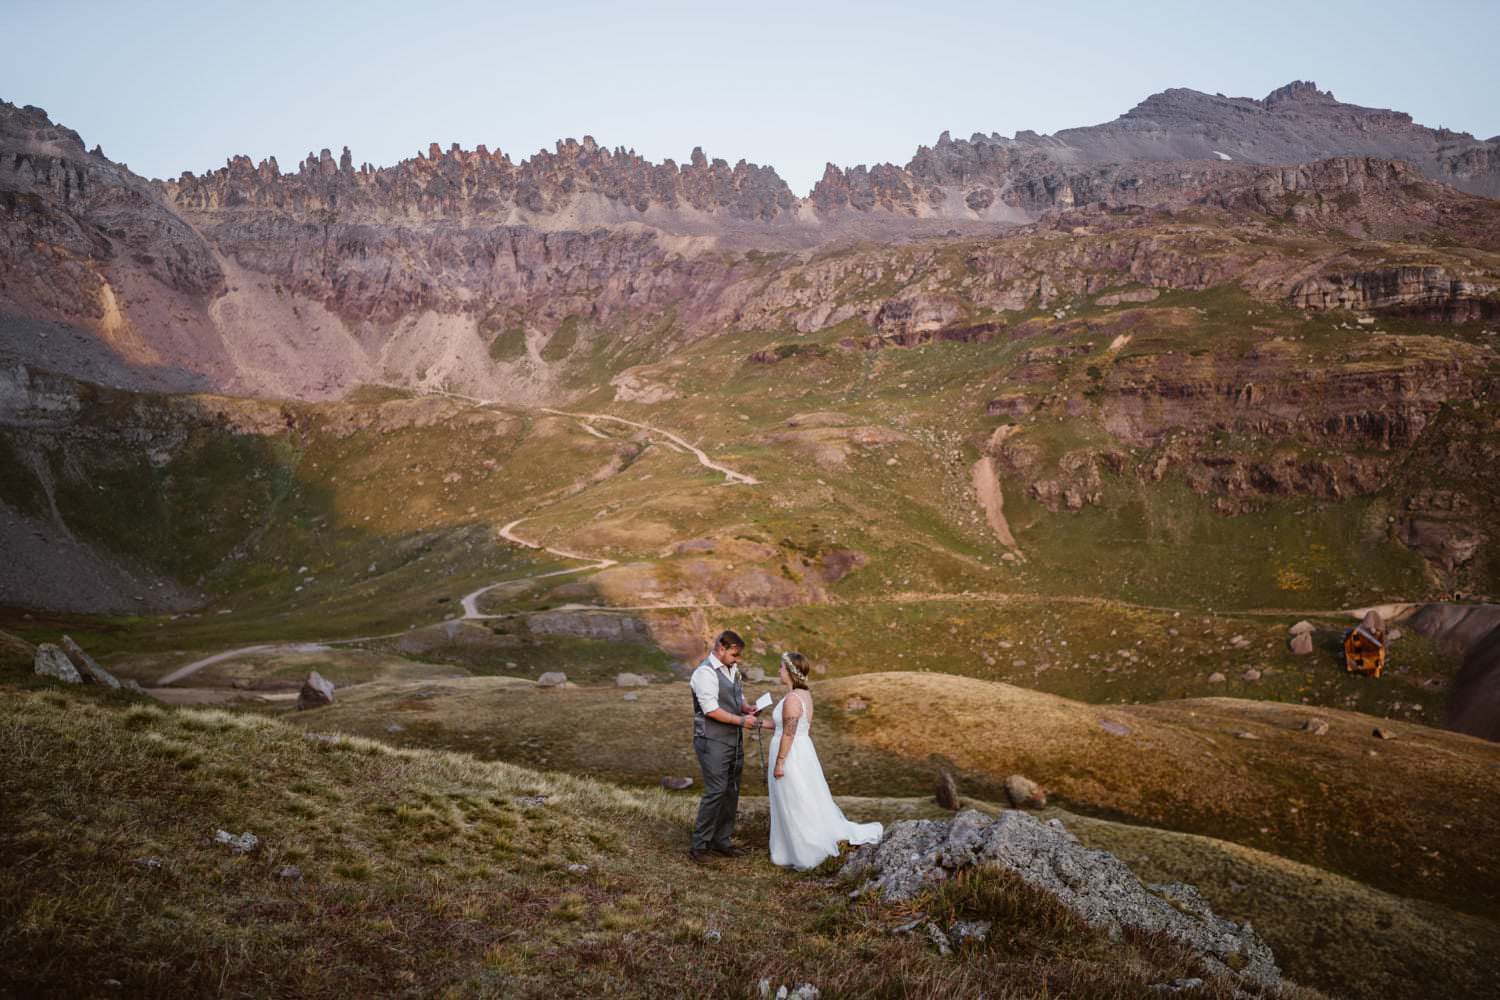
(806, 824)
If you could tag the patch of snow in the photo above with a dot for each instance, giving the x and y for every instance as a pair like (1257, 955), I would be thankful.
(1222, 156)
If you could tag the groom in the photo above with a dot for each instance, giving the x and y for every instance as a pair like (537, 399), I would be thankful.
(720, 717)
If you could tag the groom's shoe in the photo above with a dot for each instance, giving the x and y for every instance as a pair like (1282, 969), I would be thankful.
(698, 857)
(730, 852)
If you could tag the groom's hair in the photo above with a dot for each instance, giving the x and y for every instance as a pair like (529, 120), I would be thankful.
(729, 640)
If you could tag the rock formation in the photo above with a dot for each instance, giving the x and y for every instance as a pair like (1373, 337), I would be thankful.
(918, 854)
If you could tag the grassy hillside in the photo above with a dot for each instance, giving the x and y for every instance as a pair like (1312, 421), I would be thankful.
(421, 873)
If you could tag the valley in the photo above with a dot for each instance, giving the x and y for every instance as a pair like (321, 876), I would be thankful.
(1037, 455)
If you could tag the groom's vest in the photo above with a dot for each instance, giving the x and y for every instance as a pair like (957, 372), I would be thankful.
(731, 697)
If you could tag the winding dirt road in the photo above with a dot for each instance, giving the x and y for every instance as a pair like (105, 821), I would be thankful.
(471, 600)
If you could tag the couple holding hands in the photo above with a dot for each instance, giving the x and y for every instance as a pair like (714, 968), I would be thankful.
(806, 825)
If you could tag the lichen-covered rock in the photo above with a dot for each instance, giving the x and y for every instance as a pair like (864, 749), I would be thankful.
(87, 667)
(52, 662)
(1302, 643)
(917, 854)
(552, 679)
(316, 692)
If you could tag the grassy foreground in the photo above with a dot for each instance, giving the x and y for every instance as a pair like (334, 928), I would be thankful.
(423, 873)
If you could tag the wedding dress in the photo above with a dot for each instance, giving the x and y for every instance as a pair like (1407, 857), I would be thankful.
(806, 824)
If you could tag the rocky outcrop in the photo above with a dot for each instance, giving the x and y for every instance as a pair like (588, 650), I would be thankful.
(1426, 292)
(316, 692)
(52, 662)
(918, 854)
(473, 185)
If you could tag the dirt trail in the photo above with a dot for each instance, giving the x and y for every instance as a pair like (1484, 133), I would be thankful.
(729, 474)
(470, 601)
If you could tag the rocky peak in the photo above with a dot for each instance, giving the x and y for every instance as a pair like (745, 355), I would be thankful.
(1299, 91)
(457, 183)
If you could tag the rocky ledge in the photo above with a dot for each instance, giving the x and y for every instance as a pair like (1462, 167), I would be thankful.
(918, 854)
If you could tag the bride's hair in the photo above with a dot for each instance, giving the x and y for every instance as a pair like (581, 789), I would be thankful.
(796, 667)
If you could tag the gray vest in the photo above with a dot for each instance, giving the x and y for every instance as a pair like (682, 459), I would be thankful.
(731, 697)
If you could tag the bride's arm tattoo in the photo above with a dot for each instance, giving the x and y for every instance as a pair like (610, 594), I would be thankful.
(789, 726)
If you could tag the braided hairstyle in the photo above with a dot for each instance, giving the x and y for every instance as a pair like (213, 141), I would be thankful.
(797, 668)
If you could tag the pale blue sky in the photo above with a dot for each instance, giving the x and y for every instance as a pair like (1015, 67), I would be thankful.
(168, 87)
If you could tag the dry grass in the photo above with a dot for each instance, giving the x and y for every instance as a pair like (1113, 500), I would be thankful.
(428, 874)
(1324, 801)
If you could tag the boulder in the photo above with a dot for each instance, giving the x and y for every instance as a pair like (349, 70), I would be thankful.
(552, 679)
(1316, 726)
(52, 662)
(1250, 675)
(316, 692)
(631, 696)
(87, 668)
(1114, 728)
(243, 844)
(1024, 793)
(917, 854)
(630, 681)
(1301, 628)
(755, 675)
(676, 784)
(1302, 643)
(947, 790)
(1217, 678)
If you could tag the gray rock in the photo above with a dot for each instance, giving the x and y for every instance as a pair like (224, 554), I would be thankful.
(1114, 728)
(148, 864)
(947, 790)
(1250, 675)
(1301, 628)
(630, 681)
(531, 801)
(917, 854)
(86, 666)
(676, 784)
(631, 696)
(755, 675)
(1024, 793)
(939, 939)
(1318, 727)
(1177, 985)
(965, 931)
(395, 727)
(1217, 678)
(316, 692)
(51, 661)
(291, 872)
(856, 704)
(243, 844)
(552, 679)
(1302, 644)
(578, 869)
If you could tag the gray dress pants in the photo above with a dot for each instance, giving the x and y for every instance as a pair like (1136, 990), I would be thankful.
(721, 764)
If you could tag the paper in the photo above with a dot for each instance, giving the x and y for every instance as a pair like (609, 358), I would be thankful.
(763, 702)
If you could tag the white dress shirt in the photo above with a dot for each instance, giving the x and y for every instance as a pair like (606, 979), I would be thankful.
(706, 684)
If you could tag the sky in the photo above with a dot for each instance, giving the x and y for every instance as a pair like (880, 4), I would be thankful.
(171, 87)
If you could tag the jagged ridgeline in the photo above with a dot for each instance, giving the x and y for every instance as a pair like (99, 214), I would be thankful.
(1036, 446)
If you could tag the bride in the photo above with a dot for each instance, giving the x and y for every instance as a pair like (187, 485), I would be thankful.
(806, 825)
